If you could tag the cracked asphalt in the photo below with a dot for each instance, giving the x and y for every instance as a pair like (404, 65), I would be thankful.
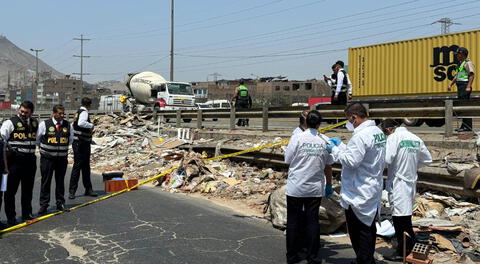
(149, 226)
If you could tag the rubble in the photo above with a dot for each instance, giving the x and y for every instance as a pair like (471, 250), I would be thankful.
(136, 146)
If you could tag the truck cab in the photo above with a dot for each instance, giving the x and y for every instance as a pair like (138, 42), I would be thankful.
(174, 96)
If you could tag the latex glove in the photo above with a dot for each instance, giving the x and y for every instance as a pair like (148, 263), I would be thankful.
(328, 191)
(330, 147)
(335, 141)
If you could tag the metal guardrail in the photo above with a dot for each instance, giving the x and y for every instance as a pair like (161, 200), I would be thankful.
(447, 110)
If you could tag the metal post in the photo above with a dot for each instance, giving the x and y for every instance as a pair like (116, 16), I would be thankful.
(448, 118)
(171, 42)
(232, 118)
(179, 118)
(265, 118)
(199, 118)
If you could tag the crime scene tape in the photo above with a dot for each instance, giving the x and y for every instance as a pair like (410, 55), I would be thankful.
(127, 189)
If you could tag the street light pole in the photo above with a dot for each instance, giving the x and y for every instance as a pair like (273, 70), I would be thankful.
(36, 67)
(171, 41)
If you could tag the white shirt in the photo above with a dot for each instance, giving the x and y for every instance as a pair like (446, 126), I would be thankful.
(363, 161)
(42, 129)
(340, 77)
(7, 128)
(405, 153)
(83, 119)
(297, 131)
(307, 156)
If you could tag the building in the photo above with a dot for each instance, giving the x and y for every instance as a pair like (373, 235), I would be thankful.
(272, 91)
(66, 91)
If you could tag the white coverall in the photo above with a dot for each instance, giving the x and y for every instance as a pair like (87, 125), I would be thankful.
(363, 162)
(404, 155)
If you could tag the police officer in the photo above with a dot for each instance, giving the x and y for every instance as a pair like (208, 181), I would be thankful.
(343, 87)
(242, 100)
(54, 136)
(302, 126)
(82, 139)
(464, 81)
(19, 133)
(363, 161)
(2, 171)
(309, 179)
(405, 153)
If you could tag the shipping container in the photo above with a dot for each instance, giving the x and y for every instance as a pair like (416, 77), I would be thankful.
(416, 68)
(110, 103)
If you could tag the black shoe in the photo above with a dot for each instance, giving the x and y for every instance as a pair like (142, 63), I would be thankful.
(71, 196)
(2, 226)
(12, 222)
(394, 257)
(43, 210)
(61, 207)
(28, 217)
(90, 193)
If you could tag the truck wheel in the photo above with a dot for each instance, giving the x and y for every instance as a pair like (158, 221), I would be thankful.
(156, 108)
(435, 122)
(215, 119)
(187, 120)
(413, 122)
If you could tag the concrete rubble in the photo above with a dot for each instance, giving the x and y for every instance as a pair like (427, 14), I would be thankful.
(141, 148)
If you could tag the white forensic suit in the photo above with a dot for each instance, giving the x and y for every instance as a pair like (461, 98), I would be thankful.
(404, 155)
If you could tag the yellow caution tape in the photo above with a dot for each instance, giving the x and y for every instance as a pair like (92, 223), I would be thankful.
(41, 218)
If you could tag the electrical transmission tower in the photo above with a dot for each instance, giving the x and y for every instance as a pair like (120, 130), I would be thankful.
(81, 56)
(446, 23)
(215, 76)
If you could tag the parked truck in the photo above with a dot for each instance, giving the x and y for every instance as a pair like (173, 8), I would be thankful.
(411, 70)
(151, 90)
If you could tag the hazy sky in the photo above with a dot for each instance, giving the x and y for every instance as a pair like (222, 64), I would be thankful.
(299, 39)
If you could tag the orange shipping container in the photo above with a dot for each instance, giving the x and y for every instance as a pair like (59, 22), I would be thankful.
(417, 68)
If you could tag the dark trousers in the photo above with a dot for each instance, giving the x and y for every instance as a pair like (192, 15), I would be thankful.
(363, 238)
(81, 163)
(49, 166)
(462, 94)
(22, 169)
(303, 228)
(404, 224)
(342, 98)
(242, 104)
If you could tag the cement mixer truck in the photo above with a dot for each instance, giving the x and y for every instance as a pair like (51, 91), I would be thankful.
(148, 90)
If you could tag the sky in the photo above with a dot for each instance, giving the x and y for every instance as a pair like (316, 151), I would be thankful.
(229, 39)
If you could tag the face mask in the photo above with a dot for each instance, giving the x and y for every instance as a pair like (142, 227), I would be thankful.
(349, 126)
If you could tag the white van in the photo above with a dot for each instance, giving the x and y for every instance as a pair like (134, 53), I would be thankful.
(110, 103)
(219, 104)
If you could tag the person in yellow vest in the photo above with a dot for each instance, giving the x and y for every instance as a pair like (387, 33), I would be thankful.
(54, 136)
(20, 135)
(242, 100)
(464, 81)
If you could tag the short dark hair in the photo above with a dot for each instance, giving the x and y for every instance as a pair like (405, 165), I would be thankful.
(28, 105)
(241, 82)
(58, 107)
(303, 117)
(463, 51)
(341, 63)
(86, 101)
(334, 66)
(389, 123)
(357, 109)
(314, 119)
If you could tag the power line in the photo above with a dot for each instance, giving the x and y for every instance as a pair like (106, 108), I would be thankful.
(81, 56)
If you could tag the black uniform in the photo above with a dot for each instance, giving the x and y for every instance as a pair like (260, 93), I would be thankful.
(53, 153)
(22, 165)
(2, 168)
(81, 155)
(243, 101)
(342, 96)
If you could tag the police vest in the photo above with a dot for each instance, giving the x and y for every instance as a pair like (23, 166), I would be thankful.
(81, 133)
(55, 143)
(242, 92)
(462, 74)
(23, 137)
(344, 83)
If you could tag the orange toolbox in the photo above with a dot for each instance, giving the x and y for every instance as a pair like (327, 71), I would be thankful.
(118, 185)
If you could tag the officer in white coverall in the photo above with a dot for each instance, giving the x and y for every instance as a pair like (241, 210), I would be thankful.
(302, 126)
(363, 162)
(309, 179)
(404, 155)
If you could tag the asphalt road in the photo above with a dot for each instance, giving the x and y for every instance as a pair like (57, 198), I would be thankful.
(151, 226)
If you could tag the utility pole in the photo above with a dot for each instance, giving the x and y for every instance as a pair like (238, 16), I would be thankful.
(81, 39)
(215, 76)
(36, 67)
(171, 41)
(446, 23)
